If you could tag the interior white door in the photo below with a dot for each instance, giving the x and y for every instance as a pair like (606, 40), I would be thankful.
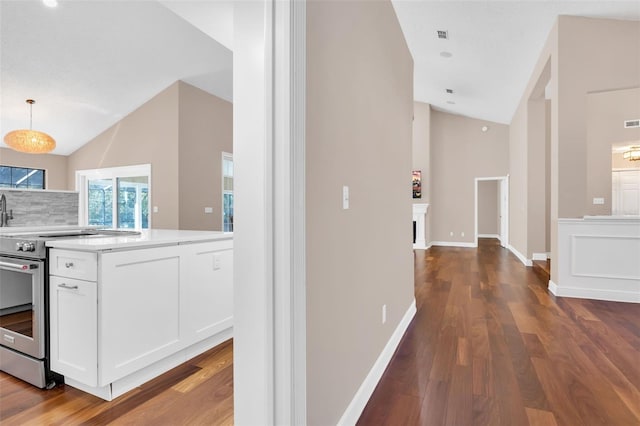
(626, 192)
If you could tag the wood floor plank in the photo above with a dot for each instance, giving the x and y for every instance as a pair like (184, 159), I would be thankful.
(534, 359)
(540, 417)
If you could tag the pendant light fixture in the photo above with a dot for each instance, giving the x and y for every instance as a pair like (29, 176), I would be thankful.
(632, 154)
(30, 141)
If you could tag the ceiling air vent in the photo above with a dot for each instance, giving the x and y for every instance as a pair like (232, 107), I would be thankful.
(449, 90)
(443, 34)
(629, 124)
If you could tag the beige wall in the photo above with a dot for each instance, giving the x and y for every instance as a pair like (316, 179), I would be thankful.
(488, 207)
(595, 55)
(421, 146)
(358, 133)
(205, 131)
(147, 135)
(518, 180)
(537, 176)
(606, 113)
(421, 154)
(181, 132)
(461, 152)
(55, 166)
(585, 55)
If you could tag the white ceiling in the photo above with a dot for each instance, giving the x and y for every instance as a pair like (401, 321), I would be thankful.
(494, 47)
(90, 63)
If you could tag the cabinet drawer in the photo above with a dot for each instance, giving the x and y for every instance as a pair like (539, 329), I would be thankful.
(73, 264)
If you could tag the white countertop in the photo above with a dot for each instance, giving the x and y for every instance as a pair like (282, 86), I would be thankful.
(147, 238)
(44, 228)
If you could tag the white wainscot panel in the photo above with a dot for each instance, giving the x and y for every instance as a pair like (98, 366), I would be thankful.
(598, 258)
(605, 256)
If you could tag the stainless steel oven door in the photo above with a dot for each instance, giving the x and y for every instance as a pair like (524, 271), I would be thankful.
(22, 305)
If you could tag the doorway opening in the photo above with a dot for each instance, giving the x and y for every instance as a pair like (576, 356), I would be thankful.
(501, 209)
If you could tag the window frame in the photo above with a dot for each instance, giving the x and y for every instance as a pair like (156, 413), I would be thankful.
(226, 156)
(84, 176)
(31, 171)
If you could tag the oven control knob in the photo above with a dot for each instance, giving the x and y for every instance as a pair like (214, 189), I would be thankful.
(25, 246)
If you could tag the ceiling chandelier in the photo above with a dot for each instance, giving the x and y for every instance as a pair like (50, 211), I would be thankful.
(30, 141)
(632, 154)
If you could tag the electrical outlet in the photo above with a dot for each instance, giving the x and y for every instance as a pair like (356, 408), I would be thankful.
(155, 209)
(462, 234)
(216, 262)
(384, 314)
(451, 234)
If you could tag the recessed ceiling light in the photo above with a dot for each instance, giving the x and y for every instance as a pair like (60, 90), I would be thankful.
(449, 90)
(446, 54)
(50, 3)
(451, 102)
(485, 128)
(443, 34)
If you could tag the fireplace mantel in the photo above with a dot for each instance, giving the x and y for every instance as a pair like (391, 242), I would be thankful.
(420, 218)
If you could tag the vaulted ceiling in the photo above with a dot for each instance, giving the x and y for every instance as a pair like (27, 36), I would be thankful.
(90, 63)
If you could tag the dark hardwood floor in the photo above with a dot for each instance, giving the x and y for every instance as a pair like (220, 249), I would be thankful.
(490, 346)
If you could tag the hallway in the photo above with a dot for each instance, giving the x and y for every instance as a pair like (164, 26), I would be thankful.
(490, 346)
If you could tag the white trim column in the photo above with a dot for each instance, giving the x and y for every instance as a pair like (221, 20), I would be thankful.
(269, 227)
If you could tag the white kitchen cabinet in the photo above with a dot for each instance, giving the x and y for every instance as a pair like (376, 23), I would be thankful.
(73, 313)
(139, 319)
(148, 310)
(206, 298)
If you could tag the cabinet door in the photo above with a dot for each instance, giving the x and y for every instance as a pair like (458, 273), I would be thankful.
(73, 317)
(206, 297)
(139, 309)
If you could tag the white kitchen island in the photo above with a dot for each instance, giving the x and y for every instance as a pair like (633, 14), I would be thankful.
(126, 309)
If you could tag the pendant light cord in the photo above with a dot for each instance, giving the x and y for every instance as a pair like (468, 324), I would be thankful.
(31, 102)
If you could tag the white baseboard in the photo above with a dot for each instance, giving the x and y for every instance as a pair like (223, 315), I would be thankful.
(360, 399)
(127, 383)
(453, 244)
(540, 256)
(421, 246)
(595, 294)
(523, 258)
(496, 236)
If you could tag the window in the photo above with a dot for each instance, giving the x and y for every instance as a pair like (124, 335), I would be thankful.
(21, 178)
(227, 192)
(116, 197)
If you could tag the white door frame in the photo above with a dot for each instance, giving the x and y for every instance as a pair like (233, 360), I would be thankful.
(503, 196)
(269, 223)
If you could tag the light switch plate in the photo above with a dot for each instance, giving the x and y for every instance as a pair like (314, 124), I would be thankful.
(345, 197)
(155, 209)
(597, 200)
(208, 209)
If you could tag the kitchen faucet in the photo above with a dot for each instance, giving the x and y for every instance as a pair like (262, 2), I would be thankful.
(4, 215)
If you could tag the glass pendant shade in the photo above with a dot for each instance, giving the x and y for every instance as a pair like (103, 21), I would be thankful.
(30, 141)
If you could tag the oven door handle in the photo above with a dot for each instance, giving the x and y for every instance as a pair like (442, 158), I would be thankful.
(19, 266)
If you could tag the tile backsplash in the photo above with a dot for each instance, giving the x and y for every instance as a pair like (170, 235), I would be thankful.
(42, 208)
